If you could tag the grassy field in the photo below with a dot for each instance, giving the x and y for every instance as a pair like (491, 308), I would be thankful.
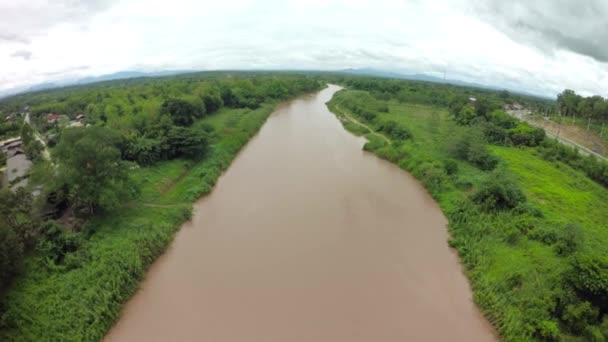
(82, 298)
(512, 257)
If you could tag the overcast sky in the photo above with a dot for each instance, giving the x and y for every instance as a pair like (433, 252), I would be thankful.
(540, 46)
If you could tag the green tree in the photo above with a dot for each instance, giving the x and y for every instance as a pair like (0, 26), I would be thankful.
(182, 112)
(466, 115)
(17, 228)
(91, 168)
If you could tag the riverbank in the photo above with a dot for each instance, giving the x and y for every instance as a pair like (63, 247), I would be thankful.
(80, 300)
(516, 259)
(306, 238)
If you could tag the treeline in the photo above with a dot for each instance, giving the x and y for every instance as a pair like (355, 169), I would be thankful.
(592, 108)
(442, 95)
(128, 125)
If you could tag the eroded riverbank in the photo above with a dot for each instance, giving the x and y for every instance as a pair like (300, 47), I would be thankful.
(307, 238)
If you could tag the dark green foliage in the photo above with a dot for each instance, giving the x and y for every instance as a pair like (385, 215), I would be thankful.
(432, 175)
(11, 253)
(90, 167)
(182, 112)
(498, 192)
(570, 240)
(469, 145)
(142, 150)
(589, 278)
(394, 130)
(450, 166)
(578, 316)
(465, 115)
(56, 242)
(526, 135)
(186, 142)
(17, 229)
(9, 130)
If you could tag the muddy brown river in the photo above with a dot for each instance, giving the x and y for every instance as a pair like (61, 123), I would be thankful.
(307, 238)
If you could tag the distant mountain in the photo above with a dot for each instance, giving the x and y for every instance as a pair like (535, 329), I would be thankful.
(91, 79)
(414, 77)
(360, 72)
(129, 74)
(433, 79)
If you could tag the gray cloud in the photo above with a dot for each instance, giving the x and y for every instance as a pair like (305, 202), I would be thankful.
(12, 37)
(21, 21)
(574, 25)
(25, 54)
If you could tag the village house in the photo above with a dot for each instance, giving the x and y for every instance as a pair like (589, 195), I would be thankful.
(52, 118)
(80, 117)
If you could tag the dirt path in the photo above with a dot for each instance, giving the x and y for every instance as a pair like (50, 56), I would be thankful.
(357, 122)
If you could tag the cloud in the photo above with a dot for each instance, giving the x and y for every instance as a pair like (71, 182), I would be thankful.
(23, 20)
(25, 54)
(580, 27)
(541, 46)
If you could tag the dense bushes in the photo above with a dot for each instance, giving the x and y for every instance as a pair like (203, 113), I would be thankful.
(595, 169)
(394, 130)
(526, 135)
(468, 145)
(182, 112)
(498, 192)
(17, 229)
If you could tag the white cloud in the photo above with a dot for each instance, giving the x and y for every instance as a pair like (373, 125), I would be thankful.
(66, 40)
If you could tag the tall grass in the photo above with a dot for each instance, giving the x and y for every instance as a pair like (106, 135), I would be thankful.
(516, 258)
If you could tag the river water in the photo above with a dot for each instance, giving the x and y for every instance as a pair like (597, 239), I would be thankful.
(307, 238)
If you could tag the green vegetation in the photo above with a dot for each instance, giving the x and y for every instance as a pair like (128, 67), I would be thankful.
(526, 215)
(116, 191)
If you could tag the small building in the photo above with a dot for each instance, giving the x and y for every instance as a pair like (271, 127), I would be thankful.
(76, 124)
(80, 117)
(472, 99)
(52, 118)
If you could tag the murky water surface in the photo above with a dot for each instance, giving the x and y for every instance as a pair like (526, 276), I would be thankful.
(308, 238)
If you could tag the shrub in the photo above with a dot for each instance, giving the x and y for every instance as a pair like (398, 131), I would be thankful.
(498, 192)
(11, 253)
(469, 145)
(432, 175)
(548, 330)
(56, 242)
(589, 278)
(450, 166)
(578, 316)
(394, 130)
(526, 135)
(570, 240)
